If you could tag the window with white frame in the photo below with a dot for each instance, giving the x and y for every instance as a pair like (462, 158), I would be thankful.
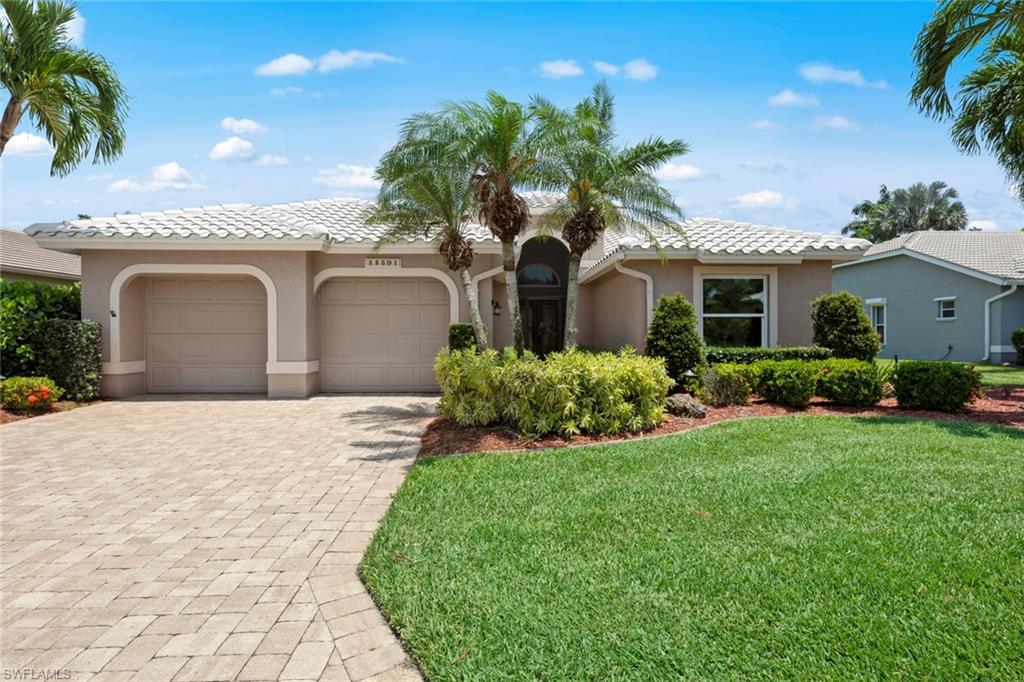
(733, 310)
(876, 310)
(945, 308)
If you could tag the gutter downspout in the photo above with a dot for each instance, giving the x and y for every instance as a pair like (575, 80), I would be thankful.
(648, 287)
(988, 319)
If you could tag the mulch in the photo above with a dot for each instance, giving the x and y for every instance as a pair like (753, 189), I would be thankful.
(8, 416)
(998, 405)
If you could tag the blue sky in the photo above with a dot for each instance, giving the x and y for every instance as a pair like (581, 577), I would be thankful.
(793, 112)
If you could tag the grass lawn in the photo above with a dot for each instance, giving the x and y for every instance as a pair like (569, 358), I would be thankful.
(991, 375)
(798, 547)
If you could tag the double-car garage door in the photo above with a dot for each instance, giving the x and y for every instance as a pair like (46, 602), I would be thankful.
(209, 334)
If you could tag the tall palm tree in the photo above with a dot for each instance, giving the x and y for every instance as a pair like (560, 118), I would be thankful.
(72, 95)
(989, 110)
(605, 187)
(919, 207)
(500, 143)
(436, 201)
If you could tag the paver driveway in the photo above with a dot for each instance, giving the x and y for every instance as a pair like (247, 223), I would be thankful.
(201, 539)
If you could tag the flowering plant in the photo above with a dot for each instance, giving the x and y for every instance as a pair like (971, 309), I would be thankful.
(29, 393)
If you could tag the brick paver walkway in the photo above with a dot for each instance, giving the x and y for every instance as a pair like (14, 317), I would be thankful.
(201, 539)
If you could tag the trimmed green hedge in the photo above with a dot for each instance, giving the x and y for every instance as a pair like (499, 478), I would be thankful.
(68, 351)
(22, 306)
(727, 384)
(935, 385)
(850, 382)
(790, 383)
(564, 393)
(745, 355)
(1017, 339)
(461, 336)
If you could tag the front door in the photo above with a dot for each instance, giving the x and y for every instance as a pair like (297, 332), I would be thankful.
(542, 319)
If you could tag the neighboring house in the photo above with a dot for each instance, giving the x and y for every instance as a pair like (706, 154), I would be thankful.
(932, 295)
(293, 299)
(21, 259)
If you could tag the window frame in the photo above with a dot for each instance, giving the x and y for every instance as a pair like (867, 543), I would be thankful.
(763, 315)
(939, 309)
(880, 304)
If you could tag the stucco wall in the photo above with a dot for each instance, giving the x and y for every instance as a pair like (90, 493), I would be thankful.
(910, 286)
(616, 315)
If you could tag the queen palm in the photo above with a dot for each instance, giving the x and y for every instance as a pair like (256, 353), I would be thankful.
(989, 109)
(603, 187)
(499, 143)
(436, 201)
(72, 95)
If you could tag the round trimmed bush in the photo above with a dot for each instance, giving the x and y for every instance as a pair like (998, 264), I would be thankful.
(840, 323)
(29, 393)
(673, 336)
(935, 385)
(789, 383)
(850, 382)
(1017, 339)
(727, 384)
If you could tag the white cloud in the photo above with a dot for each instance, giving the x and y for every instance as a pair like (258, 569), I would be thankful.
(764, 124)
(242, 125)
(791, 98)
(560, 68)
(76, 29)
(290, 64)
(24, 144)
(307, 158)
(986, 225)
(231, 148)
(764, 198)
(679, 172)
(766, 168)
(287, 90)
(606, 68)
(640, 70)
(817, 72)
(272, 160)
(345, 176)
(836, 123)
(170, 175)
(336, 60)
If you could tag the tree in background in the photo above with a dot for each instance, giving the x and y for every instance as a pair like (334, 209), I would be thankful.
(603, 187)
(70, 94)
(988, 111)
(913, 209)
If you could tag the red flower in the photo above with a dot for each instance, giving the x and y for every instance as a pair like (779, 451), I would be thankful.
(32, 399)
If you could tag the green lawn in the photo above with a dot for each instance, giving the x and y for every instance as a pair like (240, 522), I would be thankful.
(800, 547)
(991, 375)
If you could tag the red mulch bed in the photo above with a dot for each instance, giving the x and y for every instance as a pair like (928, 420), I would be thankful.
(999, 405)
(8, 416)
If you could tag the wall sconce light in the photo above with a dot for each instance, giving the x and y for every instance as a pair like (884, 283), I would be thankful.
(496, 308)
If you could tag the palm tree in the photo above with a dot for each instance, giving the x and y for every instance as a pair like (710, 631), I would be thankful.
(500, 143)
(605, 187)
(72, 95)
(436, 201)
(913, 209)
(988, 111)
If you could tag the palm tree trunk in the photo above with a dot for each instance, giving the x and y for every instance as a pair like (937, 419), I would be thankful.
(10, 120)
(474, 310)
(571, 296)
(508, 258)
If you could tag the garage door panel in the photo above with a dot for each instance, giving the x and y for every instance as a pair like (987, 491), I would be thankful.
(206, 335)
(381, 334)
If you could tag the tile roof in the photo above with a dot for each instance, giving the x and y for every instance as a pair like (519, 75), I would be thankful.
(18, 253)
(999, 254)
(343, 221)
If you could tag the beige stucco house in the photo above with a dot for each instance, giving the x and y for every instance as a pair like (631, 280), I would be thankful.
(293, 299)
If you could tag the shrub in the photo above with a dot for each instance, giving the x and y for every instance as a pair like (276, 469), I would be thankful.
(785, 382)
(850, 382)
(935, 385)
(673, 336)
(727, 384)
(745, 355)
(22, 306)
(28, 393)
(1017, 339)
(840, 323)
(565, 393)
(461, 336)
(68, 351)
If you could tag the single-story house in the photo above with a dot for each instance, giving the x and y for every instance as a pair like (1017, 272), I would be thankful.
(294, 299)
(21, 259)
(934, 295)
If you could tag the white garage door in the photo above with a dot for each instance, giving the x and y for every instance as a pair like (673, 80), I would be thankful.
(381, 334)
(206, 335)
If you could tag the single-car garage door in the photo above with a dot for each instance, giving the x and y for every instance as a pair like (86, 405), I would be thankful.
(206, 335)
(381, 334)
